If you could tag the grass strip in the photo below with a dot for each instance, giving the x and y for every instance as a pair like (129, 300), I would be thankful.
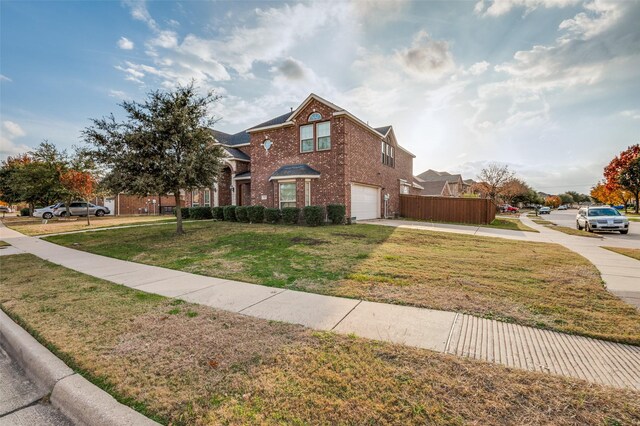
(185, 364)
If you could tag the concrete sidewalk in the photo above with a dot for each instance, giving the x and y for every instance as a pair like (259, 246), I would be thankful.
(515, 346)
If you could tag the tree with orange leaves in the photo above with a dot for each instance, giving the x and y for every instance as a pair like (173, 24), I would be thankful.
(623, 173)
(603, 194)
(552, 201)
(79, 185)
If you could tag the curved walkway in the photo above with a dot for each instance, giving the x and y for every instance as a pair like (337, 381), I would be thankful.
(515, 346)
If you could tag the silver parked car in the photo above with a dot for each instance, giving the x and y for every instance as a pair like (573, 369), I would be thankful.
(601, 218)
(45, 212)
(79, 208)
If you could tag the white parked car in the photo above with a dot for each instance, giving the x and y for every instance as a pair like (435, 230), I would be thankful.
(79, 208)
(45, 212)
(562, 207)
(601, 218)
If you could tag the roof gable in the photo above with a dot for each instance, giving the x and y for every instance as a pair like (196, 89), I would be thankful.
(307, 101)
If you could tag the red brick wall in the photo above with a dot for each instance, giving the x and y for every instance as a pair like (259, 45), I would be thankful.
(329, 188)
(224, 184)
(132, 204)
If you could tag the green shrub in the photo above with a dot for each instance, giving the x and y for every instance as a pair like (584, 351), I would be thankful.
(313, 215)
(185, 212)
(24, 211)
(218, 213)
(336, 213)
(230, 213)
(256, 214)
(200, 213)
(272, 215)
(290, 215)
(242, 214)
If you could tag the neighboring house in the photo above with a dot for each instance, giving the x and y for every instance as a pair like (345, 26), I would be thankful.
(436, 189)
(454, 182)
(317, 154)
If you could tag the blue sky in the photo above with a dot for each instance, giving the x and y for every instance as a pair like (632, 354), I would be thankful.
(550, 87)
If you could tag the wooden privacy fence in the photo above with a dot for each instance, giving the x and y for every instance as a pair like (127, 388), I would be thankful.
(448, 209)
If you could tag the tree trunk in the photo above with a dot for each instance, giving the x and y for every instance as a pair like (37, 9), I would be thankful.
(66, 207)
(637, 206)
(179, 229)
(88, 217)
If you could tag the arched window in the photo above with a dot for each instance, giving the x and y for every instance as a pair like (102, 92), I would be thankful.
(315, 117)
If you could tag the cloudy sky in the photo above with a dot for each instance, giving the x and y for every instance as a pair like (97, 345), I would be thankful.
(550, 87)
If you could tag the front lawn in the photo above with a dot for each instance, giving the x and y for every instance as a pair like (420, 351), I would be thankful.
(633, 253)
(4, 243)
(185, 364)
(565, 229)
(535, 284)
(509, 223)
(34, 226)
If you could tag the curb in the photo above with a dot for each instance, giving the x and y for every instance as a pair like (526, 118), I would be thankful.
(77, 398)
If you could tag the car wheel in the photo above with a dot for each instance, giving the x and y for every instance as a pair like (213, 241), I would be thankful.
(63, 214)
(587, 227)
(100, 213)
(578, 227)
(47, 215)
(626, 231)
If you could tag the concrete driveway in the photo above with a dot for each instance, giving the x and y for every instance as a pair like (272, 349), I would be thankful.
(568, 218)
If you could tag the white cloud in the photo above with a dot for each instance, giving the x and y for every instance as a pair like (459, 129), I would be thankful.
(634, 114)
(478, 68)
(119, 94)
(426, 58)
(139, 12)
(8, 147)
(5, 78)
(13, 129)
(125, 44)
(600, 16)
(501, 7)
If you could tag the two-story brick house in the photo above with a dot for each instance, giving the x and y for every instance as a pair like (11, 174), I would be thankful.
(317, 154)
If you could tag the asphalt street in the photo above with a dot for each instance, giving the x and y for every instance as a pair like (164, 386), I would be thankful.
(21, 401)
(568, 218)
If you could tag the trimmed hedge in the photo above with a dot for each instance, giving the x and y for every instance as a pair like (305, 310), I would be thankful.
(230, 213)
(185, 212)
(242, 214)
(336, 213)
(272, 215)
(200, 213)
(24, 211)
(313, 215)
(256, 214)
(217, 213)
(290, 215)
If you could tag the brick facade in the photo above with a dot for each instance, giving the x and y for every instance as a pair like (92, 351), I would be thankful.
(354, 157)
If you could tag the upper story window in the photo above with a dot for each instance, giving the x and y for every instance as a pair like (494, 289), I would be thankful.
(315, 136)
(388, 155)
(315, 117)
(324, 135)
(306, 138)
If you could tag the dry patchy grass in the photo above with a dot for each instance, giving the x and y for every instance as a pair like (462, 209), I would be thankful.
(632, 253)
(34, 226)
(188, 364)
(4, 244)
(534, 284)
(565, 229)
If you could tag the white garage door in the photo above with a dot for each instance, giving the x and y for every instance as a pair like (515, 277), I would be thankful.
(364, 202)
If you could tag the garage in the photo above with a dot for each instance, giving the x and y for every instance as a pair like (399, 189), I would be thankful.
(365, 201)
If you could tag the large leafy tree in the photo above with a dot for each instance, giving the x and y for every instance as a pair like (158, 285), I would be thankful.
(623, 172)
(495, 180)
(165, 145)
(34, 177)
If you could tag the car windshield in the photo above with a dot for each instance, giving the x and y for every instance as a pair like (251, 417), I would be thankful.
(603, 212)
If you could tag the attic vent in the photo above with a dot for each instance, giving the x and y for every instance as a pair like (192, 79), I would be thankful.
(315, 117)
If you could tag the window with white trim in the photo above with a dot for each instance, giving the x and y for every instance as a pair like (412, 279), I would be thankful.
(314, 117)
(207, 197)
(307, 192)
(287, 194)
(306, 138)
(323, 130)
(195, 198)
(388, 155)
